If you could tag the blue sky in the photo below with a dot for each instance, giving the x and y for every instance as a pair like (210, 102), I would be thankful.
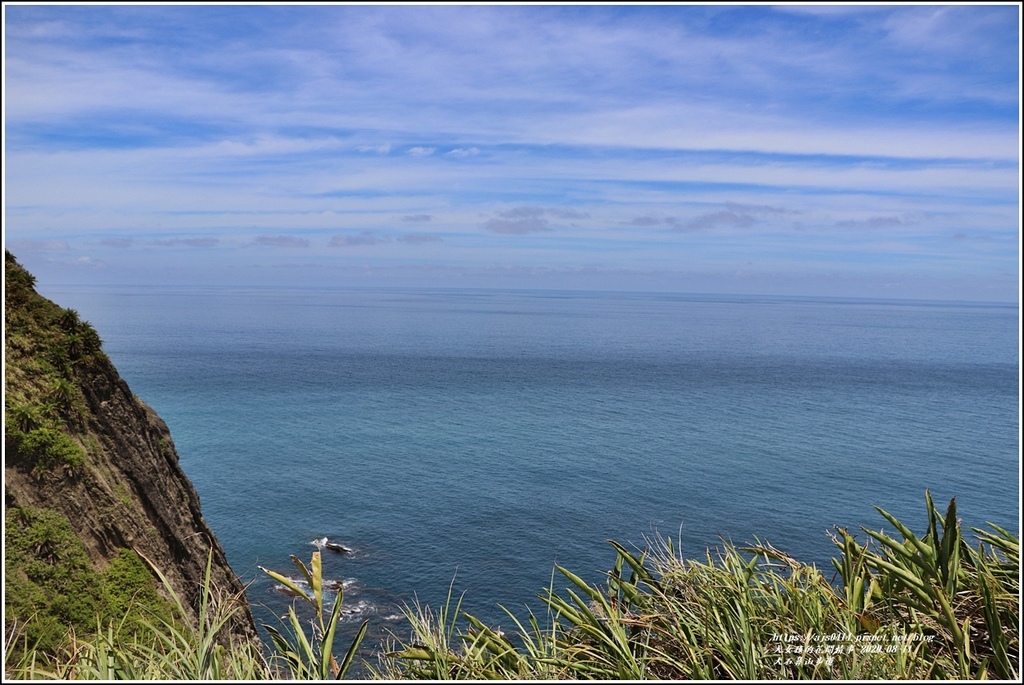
(839, 150)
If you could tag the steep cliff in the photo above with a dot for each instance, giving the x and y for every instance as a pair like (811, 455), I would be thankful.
(82, 451)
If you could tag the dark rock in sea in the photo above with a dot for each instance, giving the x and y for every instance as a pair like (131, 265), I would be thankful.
(336, 547)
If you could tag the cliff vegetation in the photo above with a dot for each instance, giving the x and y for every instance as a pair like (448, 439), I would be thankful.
(92, 486)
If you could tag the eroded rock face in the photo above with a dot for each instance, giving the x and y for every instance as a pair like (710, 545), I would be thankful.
(128, 490)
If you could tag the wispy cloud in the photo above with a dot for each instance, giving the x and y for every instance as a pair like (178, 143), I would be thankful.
(280, 241)
(526, 220)
(382, 149)
(567, 214)
(363, 238)
(715, 220)
(39, 245)
(759, 209)
(645, 221)
(420, 238)
(519, 221)
(872, 222)
(646, 138)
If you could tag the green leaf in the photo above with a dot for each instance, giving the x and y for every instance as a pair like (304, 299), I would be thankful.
(316, 581)
(636, 564)
(287, 582)
(949, 552)
(926, 556)
(305, 574)
(414, 654)
(351, 654)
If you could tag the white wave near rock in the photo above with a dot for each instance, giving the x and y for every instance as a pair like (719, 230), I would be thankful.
(334, 585)
(325, 543)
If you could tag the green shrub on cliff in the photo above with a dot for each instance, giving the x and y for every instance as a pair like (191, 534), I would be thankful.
(45, 448)
(171, 649)
(44, 348)
(52, 587)
(148, 644)
(50, 584)
(130, 593)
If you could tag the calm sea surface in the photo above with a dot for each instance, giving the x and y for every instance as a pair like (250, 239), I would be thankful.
(481, 437)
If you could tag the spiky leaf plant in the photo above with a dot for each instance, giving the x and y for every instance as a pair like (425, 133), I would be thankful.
(311, 657)
(915, 608)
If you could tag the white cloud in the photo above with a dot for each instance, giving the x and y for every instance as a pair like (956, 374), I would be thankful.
(588, 127)
(703, 127)
(382, 149)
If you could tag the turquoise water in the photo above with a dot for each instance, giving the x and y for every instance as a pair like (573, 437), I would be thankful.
(480, 437)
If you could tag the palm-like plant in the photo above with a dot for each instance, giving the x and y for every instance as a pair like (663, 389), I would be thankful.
(311, 657)
(68, 319)
(74, 345)
(938, 585)
(62, 393)
(25, 417)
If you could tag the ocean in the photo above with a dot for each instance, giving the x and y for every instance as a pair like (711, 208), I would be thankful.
(470, 440)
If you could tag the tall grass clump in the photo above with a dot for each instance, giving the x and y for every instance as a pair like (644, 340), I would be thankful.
(158, 646)
(898, 606)
(170, 647)
(895, 606)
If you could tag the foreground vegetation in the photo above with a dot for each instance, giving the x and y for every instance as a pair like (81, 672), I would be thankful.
(897, 606)
(51, 586)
